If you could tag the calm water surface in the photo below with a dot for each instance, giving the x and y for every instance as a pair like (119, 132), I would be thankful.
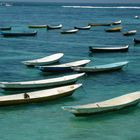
(48, 120)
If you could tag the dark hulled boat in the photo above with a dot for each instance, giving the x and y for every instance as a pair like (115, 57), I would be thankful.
(136, 40)
(116, 29)
(16, 34)
(109, 49)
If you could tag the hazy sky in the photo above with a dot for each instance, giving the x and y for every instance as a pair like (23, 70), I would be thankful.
(85, 1)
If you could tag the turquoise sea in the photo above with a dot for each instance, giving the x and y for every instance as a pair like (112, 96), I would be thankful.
(47, 121)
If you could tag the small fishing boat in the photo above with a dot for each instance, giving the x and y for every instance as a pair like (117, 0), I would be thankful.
(41, 83)
(50, 27)
(37, 26)
(63, 67)
(100, 24)
(132, 32)
(101, 68)
(38, 96)
(113, 104)
(83, 28)
(116, 29)
(17, 34)
(45, 60)
(5, 28)
(136, 40)
(117, 22)
(109, 49)
(70, 31)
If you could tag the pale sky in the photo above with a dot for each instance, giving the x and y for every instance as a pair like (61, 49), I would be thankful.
(85, 1)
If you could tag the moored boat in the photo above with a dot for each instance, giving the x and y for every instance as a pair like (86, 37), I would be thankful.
(100, 24)
(5, 28)
(132, 32)
(70, 31)
(38, 96)
(45, 60)
(117, 22)
(113, 104)
(136, 17)
(109, 49)
(37, 26)
(41, 83)
(116, 29)
(63, 67)
(17, 34)
(49, 27)
(136, 40)
(101, 68)
(83, 28)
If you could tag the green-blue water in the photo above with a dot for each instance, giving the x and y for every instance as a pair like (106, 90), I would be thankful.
(48, 120)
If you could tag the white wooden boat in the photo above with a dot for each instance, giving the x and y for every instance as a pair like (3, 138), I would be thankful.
(116, 22)
(70, 31)
(50, 27)
(38, 96)
(109, 49)
(105, 106)
(45, 60)
(128, 33)
(101, 68)
(42, 83)
(63, 67)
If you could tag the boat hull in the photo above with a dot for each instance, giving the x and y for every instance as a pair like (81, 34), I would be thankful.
(101, 50)
(103, 110)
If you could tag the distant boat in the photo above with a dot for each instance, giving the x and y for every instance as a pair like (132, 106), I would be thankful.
(41, 83)
(5, 28)
(49, 27)
(113, 104)
(38, 96)
(83, 28)
(100, 24)
(63, 67)
(136, 17)
(117, 22)
(17, 34)
(136, 40)
(45, 60)
(116, 29)
(37, 26)
(109, 49)
(101, 68)
(132, 32)
(69, 31)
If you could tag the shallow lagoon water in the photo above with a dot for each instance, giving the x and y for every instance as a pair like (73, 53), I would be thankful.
(47, 120)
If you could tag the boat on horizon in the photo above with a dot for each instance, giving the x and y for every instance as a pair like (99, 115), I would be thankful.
(131, 32)
(117, 22)
(116, 29)
(51, 27)
(37, 26)
(69, 31)
(18, 34)
(83, 28)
